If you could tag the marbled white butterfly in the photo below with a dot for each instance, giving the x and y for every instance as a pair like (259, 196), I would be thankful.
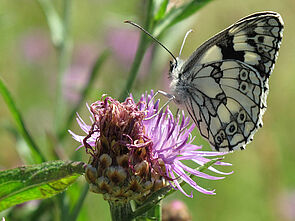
(224, 83)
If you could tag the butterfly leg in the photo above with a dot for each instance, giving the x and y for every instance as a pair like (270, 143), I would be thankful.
(165, 94)
(170, 98)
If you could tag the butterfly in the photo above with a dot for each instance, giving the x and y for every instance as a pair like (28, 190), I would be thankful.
(224, 83)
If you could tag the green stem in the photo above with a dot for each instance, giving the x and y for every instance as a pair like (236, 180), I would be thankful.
(143, 43)
(120, 212)
(63, 62)
(63, 59)
(42, 208)
(76, 210)
(37, 155)
(135, 67)
(63, 205)
(155, 212)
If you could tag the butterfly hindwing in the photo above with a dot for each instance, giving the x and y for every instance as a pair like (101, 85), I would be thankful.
(226, 103)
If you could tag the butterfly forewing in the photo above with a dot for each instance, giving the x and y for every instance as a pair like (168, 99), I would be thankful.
(224, 84)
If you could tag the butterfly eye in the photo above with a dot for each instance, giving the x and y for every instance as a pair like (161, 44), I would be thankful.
(231, 128)
(244, 87)
(172, 66)
(243, 75)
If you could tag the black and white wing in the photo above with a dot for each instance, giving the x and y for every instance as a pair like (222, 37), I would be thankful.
(224, 84)
(227, 105)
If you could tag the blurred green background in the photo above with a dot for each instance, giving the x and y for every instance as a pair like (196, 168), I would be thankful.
(263, 184)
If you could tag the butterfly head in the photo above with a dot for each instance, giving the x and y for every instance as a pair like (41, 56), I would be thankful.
(172, 66)
(177, 85)
(175, 68)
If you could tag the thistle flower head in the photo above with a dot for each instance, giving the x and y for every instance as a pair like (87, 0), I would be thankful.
(136, 150)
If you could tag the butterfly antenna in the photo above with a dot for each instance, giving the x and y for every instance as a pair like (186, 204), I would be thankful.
(189, 31)
(156, 40)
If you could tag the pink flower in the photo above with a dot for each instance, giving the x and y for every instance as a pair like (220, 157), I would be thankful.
(147, 135)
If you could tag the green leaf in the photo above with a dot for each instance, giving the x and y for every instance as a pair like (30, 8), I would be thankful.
(178, 14)
(151, 204)
(151, 201)
(36, 153)
(160, 7)
(37, 182)
(157, 196)
(208, 164)
(54, 22)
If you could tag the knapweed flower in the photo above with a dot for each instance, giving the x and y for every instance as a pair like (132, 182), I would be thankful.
(136, 149)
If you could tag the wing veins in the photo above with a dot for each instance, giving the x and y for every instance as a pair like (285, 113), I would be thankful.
(243, 94)
(242, 42)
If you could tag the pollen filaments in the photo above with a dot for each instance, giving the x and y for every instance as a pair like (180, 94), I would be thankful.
(120, 166)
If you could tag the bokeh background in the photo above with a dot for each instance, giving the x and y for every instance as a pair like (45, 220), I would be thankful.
(263, 184)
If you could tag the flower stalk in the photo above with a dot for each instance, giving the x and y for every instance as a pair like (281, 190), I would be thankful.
(120, 211)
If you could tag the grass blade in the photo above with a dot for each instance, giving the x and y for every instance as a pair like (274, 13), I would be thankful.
(36, 153)
(160, 9)
(75, 212)
(178, 14)
(54, 22)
